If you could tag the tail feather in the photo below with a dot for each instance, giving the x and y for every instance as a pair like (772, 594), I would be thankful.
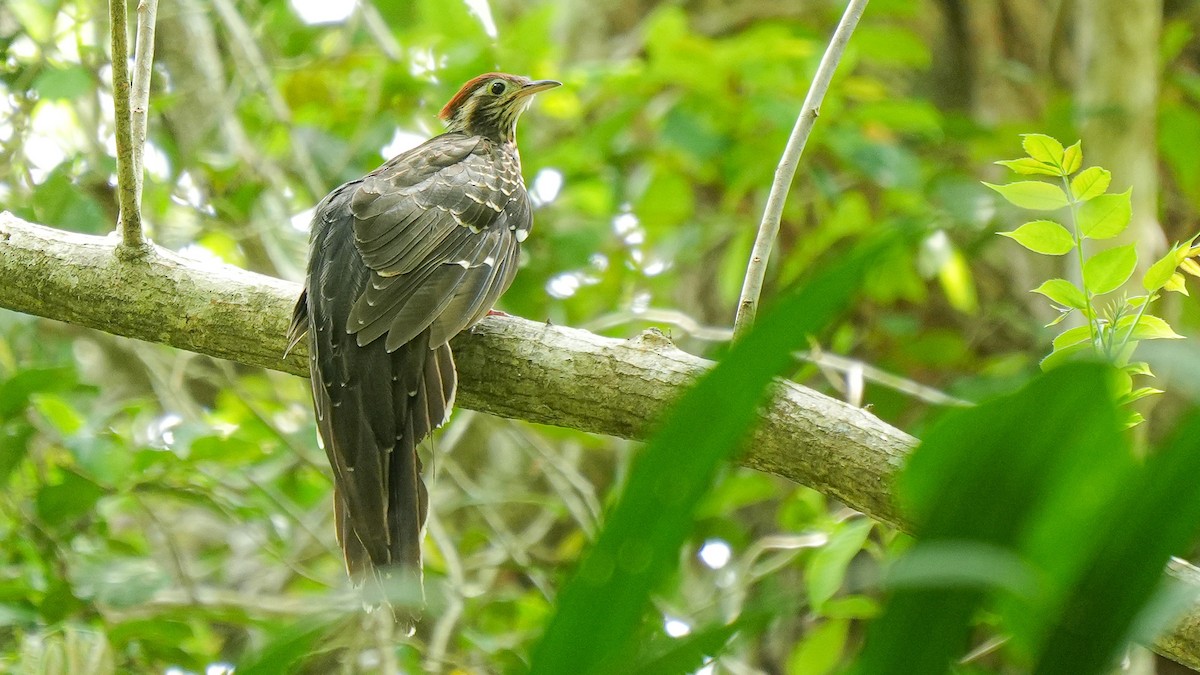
(382, 408)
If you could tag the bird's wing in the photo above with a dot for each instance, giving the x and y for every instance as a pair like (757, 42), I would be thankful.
(441, 237)
(416, 251)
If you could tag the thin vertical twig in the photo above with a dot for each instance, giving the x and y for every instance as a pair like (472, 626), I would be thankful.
(143, 60)
(130, 218)
(768, 229)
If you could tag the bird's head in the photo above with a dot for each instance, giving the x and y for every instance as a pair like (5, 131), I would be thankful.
(489, 105)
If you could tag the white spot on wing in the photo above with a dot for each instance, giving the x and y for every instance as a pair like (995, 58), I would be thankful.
(522, 235)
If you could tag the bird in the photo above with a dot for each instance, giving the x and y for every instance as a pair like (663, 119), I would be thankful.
(400, 261)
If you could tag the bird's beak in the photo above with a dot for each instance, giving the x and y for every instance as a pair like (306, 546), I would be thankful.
(536, 86)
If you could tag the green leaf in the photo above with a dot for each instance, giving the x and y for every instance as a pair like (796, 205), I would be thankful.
(851, 607)
(827, 568)
(1176, 284)
(1028, 453)
(1067, 354)
(1090, 183)
(1105, 216)
(1073, 158)
(1161, 271)
(1139, 368)
(1032, 194)
(1139, 394)
(1062, 315)
(14, 447)
(687, 654)
(286, 646)
(1043, 148)
(1043, 236)
(58, 412)
(1073, 336)
(1063, 292)
(16, 391)
(1029, 167)
(821, 649)
(70, 498)
(640, 542)
(1132, 542)
(1107, 270)
(1133, 418)
(1149, 327)
(63, 83)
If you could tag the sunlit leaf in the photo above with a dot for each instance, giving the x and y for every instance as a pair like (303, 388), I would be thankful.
(821, 649)
(1105, 216)
(827, 568)
(1029, 167)
(1043, 148)
(1149, 327)
(1063, 292)
(1073, 336)
(1161, 271)
(1073, 158)
(1032, 194)
(1043, 236)
(1176, 284)
(1090, 183)
(1080, 351)
(1107, 270)
(1139, 394)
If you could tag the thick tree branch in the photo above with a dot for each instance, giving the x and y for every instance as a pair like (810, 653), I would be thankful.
(508, 366)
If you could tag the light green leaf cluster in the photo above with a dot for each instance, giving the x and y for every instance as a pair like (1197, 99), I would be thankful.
(1112, 328)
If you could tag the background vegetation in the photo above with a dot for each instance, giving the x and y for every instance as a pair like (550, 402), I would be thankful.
(164, 511)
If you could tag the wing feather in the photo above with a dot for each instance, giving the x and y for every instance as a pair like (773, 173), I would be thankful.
(401, 261)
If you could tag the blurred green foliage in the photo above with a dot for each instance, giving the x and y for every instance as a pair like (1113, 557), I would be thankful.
(161, 510)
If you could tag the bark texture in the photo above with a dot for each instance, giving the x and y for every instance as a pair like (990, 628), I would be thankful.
(508, 366)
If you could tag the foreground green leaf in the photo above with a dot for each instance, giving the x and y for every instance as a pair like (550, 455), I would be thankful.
(600, 608)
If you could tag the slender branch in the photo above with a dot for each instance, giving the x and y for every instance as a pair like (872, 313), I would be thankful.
(143, 59)
(131, 216)
(508, 366)
(768, 229)
(252, 58)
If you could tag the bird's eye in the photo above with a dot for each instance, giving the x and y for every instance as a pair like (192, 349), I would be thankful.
(498, 87)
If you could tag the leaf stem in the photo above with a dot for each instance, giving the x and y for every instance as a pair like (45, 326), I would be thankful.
(1136, 320)
(1087, 293)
